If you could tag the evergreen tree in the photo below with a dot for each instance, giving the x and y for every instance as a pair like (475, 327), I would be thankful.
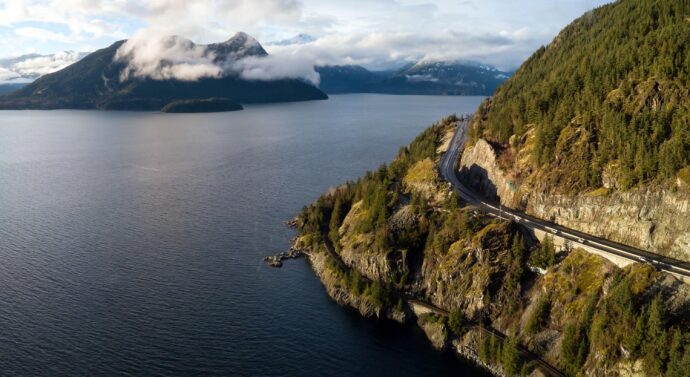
(494, 348)
(655, 344)
(484, 348)
(545, 255)
(510, 357)
(455, 321)
(569, 350)
(675, 366)
(334, 224)
(634, 342)
(540, 315)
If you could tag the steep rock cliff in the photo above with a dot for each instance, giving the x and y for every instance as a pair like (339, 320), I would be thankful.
(657, 220)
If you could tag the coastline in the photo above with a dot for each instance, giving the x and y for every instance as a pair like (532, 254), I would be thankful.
(464, 348)
(398, 244)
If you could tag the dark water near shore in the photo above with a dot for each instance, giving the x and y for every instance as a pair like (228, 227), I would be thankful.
(131, 243)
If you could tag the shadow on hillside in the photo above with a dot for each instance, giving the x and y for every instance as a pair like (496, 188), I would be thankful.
(477, 179)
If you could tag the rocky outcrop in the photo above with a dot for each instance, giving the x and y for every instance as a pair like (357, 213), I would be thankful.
(321, 264)
(357, 252)
(435, 330)
(375, 266)
(652, 219)
(480, 171)
(277, 260)
(467, 347)
(465, 276)
(331, 277)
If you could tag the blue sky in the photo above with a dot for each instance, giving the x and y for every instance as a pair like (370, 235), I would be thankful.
(373, 33)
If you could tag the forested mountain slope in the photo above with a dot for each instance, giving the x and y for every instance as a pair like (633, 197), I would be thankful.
(593, 131)
(610, 95)
(399, 232)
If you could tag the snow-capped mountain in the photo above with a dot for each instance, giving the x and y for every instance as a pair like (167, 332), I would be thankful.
(239, 46)
(424, 77)
(119, 78)
(298, 39)
(457, 72)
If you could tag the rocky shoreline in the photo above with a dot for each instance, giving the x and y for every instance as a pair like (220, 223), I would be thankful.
(463, 347)
(277, 259)
(397, 244)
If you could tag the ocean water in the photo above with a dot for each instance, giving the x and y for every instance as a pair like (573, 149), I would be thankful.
(132, 243)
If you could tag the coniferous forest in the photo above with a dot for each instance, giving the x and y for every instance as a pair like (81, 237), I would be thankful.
(612, 91)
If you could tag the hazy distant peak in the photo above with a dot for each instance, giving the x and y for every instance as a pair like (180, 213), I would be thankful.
(298, 39)
(454, 62)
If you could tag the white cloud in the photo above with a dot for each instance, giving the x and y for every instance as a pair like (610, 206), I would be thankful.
(7, 75)
(45, 64)
(161, 58)
(275, 67)
(29, 67)
(382, 50)
(376, 33)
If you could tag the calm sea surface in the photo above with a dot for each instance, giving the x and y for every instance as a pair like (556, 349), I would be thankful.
(131, 243)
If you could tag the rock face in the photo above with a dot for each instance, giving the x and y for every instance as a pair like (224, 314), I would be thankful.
(330, 275)
(319, 262)
(356, 250)
(478, 167)
(658, 221)
(462, 277)
(654, 220)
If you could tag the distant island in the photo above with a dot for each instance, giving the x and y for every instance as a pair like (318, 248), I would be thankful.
(100, 81)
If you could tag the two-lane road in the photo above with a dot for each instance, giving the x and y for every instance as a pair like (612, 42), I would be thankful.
(605, 247)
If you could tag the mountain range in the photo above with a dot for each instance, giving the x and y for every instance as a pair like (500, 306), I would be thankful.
(103, 80)
(94, 81)
(424, 78)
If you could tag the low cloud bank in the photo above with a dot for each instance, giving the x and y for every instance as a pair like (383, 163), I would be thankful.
(30, 67)
(167, 58)
(275, 67)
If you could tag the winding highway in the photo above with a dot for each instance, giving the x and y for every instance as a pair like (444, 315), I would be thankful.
(611, 250)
